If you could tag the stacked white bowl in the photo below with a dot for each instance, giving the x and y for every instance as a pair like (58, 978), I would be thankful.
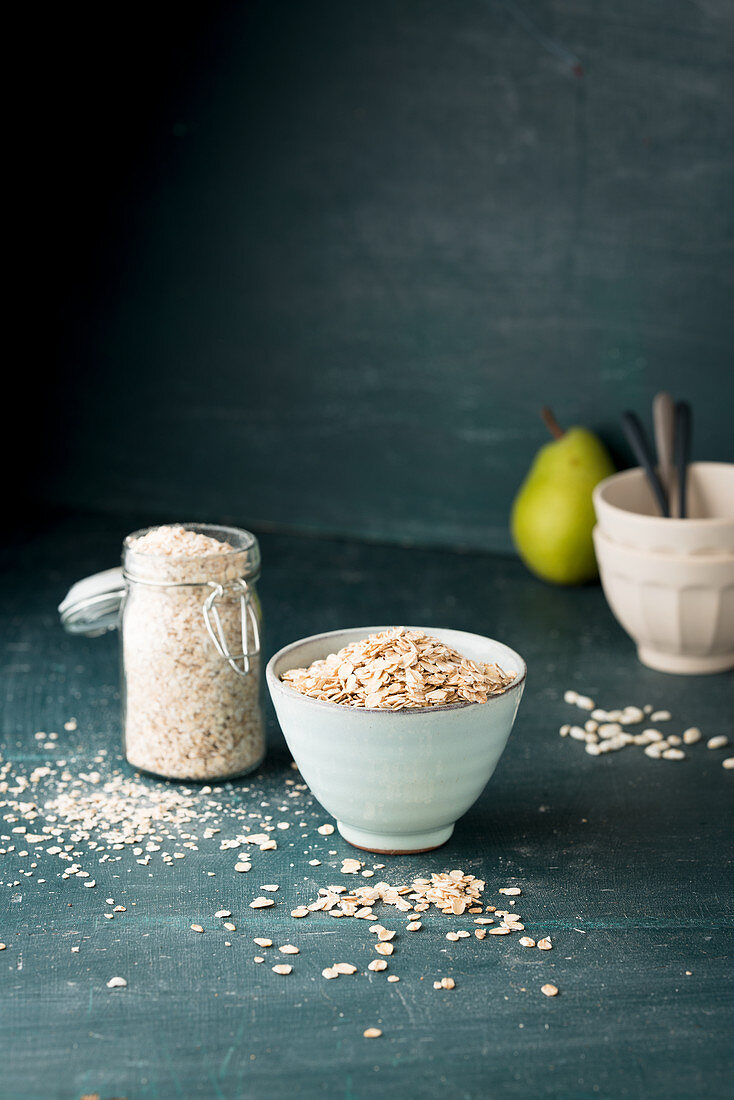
(670, 582)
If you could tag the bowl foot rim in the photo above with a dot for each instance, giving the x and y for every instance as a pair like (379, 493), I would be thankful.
(395, 844)
(681, 665)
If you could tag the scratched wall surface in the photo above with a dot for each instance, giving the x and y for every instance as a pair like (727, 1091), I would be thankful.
(319, 265)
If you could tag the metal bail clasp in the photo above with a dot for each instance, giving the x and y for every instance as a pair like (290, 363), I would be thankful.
(247, 611)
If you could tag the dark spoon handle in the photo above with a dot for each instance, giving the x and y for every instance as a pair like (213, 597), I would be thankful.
(682, 451)
(637, 440)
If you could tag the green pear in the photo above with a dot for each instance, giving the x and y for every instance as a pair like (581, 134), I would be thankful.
(553, 514)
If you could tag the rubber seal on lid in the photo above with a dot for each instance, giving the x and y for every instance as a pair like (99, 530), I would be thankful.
(92, 605)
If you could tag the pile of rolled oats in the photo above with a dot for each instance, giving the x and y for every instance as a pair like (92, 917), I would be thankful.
(188, 714)
(396, 669)
(452, 892)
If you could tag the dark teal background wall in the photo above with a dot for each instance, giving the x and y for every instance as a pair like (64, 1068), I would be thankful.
(317, 265)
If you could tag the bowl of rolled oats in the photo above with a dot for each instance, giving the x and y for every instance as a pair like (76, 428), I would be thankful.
(396, 729)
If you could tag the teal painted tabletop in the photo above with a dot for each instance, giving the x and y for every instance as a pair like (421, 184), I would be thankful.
(625, 862)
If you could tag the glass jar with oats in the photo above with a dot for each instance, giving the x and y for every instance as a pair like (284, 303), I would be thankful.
(189, 619)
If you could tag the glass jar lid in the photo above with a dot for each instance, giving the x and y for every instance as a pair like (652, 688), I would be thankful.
(92, 605)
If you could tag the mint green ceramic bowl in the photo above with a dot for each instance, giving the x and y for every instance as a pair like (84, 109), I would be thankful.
(396, 781)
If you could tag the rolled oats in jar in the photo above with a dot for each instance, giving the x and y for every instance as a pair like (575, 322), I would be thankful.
(190, 644)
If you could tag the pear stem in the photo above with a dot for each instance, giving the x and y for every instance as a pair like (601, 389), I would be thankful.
(551, 423)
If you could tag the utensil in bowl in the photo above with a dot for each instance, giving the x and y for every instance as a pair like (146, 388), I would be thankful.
(682, 452)
(625, 512)
(678, 609)
(663, 422)
(637, 440)
(396, 781)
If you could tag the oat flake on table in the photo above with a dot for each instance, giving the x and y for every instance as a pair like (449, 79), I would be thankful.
(398, 668)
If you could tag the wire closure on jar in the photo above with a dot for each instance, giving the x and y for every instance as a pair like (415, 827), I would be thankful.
(216, 630)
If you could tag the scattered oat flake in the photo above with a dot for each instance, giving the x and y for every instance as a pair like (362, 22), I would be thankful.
(282, 968)
(223, 913)
(351, 866)
(372, 1033)
(718, 742)
(229, 926)
(261, 903)
(384, 948)
(393, 978)
(258, 959)
(330, 972)
(262, 942)
(325, 830)
(196, 928)
(511, 891)
(545, 944)
(116, 983)
(273, 887)
(377, 964)
(414, 926)
(527, 941)
(314, 862)
(301, 911)
(345, 968)
(288, 949)
(549, 989)
(243, 866)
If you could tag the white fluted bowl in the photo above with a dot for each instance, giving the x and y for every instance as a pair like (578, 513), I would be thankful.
(678, 609)
(626, 512)
(396, 781)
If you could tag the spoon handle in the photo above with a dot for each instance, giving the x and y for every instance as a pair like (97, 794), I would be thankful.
(663, 420)
(682, 451)
(637, 440)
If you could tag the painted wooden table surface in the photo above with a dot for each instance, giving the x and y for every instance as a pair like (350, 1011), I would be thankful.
(624, 861)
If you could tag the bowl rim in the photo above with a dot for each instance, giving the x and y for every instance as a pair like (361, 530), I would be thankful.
(643, 518)
(442, 708)
(663, 556)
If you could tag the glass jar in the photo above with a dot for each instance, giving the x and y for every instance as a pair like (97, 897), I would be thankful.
(190, 648)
